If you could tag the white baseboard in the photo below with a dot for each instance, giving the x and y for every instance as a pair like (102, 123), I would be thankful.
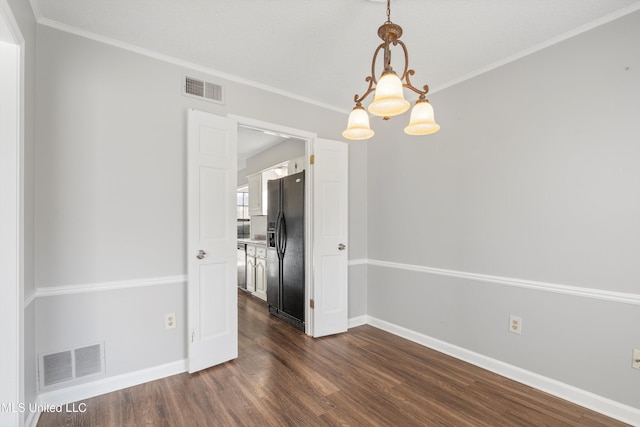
(109, 384)
(611, 408)
(32, 419)
(357, 321)
(84, 391)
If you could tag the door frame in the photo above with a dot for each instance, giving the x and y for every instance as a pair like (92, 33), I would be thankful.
(309, 138)
(12, 215)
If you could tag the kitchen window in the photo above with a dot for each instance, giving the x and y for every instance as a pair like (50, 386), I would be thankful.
(243, 218)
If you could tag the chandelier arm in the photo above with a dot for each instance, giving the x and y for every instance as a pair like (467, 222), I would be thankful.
(408, 85)
(359, 99)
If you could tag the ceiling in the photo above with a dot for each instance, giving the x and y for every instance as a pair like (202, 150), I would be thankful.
(253, 141)
(321, 50)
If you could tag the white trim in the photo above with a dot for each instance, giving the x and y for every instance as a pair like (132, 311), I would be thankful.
(619, 411)
(36, 10)
(12, 389)
(361, 261)
(32, 419)
(552, 41)
(50, 291)
(29, 298)
(358, 321)
(181, 63)
(110, 384)
(273, 127)
(620, 297)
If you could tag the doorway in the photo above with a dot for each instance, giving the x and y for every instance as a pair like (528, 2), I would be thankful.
(212, 261)
(263, 147)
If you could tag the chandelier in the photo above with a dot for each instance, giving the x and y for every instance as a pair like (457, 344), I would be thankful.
(388, 98)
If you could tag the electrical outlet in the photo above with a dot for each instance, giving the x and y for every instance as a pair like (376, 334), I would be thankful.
(515, 324)
(635, 361)
(170, 321)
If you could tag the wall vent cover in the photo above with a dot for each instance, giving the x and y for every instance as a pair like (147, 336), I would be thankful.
(202, 89)
(70, 365)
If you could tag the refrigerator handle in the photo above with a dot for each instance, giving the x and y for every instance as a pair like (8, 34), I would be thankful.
(282, 230)
(277, 234)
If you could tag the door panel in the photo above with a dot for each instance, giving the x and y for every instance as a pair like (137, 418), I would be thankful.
(211, 235)
(330, 245)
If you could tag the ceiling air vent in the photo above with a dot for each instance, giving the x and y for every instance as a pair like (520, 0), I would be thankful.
(202, 89)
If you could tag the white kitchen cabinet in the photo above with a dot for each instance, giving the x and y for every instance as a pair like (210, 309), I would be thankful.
(251, 274)
(255, 195)
(257, 270)
(261, 278)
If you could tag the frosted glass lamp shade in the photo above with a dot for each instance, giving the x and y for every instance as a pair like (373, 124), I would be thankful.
(388, 100)
(358, 125)
(422, 120)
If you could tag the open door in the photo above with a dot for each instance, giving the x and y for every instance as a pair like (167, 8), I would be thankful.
(330, 233)
(211, 240)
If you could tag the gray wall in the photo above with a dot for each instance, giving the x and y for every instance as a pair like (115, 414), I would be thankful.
(286, 150)
(110, 195)
(358, 229)
(534, 177)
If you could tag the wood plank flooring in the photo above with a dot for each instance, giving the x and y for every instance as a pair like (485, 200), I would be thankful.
(366, 377)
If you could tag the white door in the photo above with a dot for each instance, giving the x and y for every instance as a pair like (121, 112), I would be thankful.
(330, 246)
(211, 240)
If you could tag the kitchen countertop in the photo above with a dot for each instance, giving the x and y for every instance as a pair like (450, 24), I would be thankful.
(253, 241)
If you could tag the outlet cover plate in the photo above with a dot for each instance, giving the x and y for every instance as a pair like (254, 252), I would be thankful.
(635, 362)
(515, 324)
(170, 321)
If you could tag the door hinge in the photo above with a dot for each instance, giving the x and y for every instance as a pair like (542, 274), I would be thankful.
(312, 159)
(193, 335)
(312, 303)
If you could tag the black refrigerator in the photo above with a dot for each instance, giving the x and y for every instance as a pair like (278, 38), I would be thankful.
(285, 248)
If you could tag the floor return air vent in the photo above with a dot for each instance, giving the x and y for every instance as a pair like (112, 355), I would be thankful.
(69, 365)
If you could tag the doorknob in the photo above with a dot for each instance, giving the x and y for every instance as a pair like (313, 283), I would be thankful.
(341, 247)
(201, 254)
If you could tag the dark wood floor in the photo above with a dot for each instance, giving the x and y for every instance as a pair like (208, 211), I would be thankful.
(365, 377)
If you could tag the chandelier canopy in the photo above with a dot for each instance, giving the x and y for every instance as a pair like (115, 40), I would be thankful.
(388, 98)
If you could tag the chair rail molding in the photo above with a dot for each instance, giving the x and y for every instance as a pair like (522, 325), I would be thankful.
(50, 291)
(620, 297)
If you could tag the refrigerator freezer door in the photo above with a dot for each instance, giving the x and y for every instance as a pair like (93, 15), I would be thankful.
(293, 274)
(273, 211)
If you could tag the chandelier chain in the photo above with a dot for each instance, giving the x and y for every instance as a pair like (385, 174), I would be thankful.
(388, 10)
